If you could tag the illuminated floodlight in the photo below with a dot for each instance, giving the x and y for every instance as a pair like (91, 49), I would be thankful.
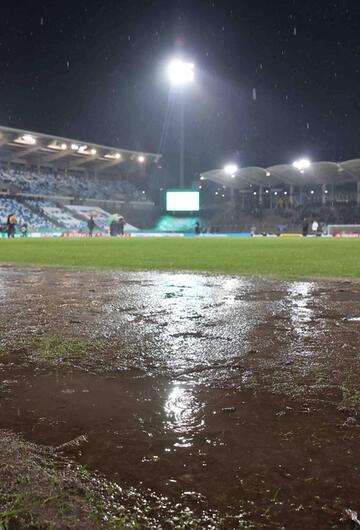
(180, 72)
(231, 169)
(117, 156)
(141, 159)
(202, 178)
(74, 147)
(93, 151)
(27, 138)
(326, 191)
(268, 174)
(301, 164)
(275, 193)
(285, 192)
(312, 192)
(200, 187)
(63, 147)
(254, 193)
(266, 191)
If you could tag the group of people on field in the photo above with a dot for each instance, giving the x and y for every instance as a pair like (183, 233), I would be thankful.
(117, 226)
(9, 228)
(314, 226)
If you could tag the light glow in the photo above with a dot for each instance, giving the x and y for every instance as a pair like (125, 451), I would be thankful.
(231, 169)
(301, 164)
(28, 139)
(181, 72)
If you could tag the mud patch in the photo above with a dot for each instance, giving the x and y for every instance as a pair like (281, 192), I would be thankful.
(143, 384)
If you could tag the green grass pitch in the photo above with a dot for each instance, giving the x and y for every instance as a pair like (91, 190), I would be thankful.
(278, 257)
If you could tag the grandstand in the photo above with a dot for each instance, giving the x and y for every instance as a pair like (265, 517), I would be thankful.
(54, 184)
(278, 198)
(45, 180)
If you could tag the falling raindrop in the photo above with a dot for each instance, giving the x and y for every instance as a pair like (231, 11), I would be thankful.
(295, 32)
(254, 94)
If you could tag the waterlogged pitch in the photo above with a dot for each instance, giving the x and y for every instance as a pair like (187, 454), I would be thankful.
(278, 257)
(203, 400)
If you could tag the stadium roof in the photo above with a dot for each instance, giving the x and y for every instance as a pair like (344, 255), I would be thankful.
(287, 174)
(17, 145)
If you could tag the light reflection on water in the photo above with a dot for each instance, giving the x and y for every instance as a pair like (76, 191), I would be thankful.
(300, 295)
(184, 413)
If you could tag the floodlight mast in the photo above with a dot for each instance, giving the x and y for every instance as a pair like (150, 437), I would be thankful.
(181, 73)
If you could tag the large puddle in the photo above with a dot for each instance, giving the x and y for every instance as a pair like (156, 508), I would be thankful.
(241, 390)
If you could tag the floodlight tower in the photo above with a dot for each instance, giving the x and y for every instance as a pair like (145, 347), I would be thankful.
(180, 74)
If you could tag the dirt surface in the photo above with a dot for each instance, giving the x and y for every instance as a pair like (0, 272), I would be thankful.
(235, 394)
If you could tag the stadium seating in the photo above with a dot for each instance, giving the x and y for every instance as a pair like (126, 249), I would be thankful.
(81, 186)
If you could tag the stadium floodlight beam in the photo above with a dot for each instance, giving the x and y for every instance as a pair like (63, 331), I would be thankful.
(231, 169)
(181, 72)
(301, 164)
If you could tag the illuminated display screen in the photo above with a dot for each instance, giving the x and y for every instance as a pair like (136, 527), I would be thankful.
(182, 201)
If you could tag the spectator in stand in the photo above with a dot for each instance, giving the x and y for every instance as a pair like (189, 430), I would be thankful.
(11, 225)
(91, 225)
(197, 228)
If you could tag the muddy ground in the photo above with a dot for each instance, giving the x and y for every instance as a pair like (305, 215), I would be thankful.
(222, 393)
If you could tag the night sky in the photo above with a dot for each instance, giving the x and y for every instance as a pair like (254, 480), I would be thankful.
(275, 78)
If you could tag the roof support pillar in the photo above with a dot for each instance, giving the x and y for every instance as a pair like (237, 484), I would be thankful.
(242, 202)
(358, 193)
(261, 194)
(323, 194)
(291, 195)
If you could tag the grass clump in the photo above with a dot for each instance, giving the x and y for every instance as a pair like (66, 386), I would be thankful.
(55, 349)
(35, 493)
